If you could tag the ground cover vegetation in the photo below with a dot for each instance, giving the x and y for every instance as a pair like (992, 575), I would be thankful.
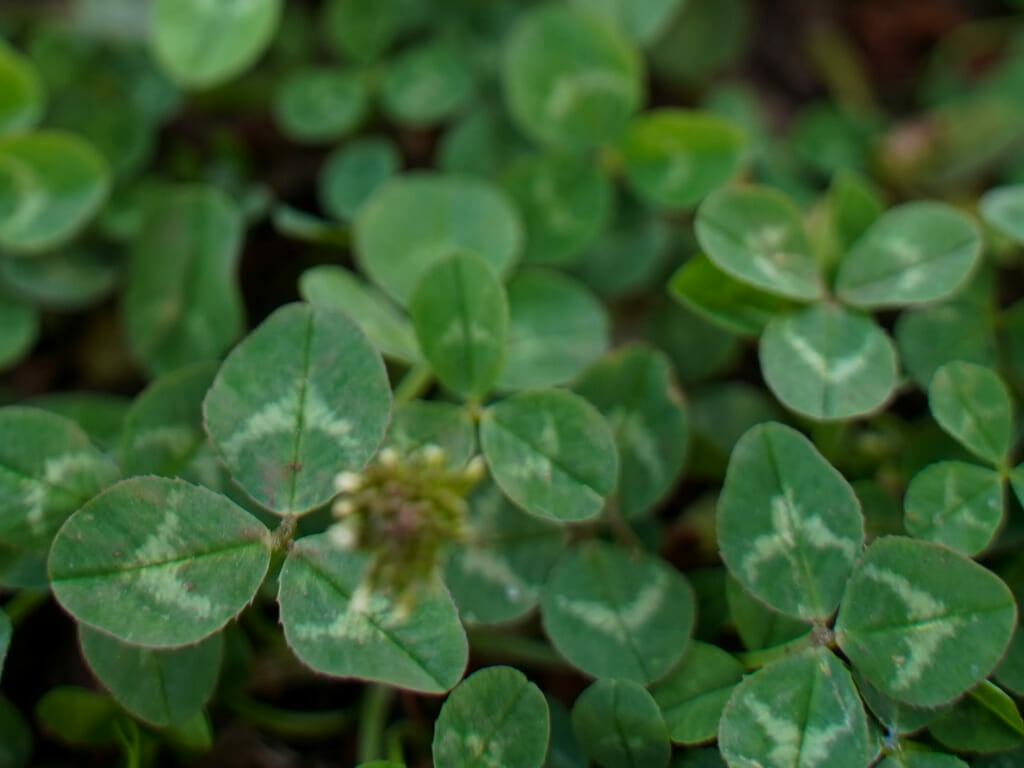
(629, 383)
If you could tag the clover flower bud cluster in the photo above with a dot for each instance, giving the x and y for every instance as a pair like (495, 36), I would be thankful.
(403, 509)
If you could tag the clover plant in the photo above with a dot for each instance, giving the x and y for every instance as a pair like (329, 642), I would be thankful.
(508, 385)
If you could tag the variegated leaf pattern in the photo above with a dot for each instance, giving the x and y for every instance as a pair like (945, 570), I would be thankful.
(304, 397)
(495, 717)
(158, 562)
(337, 626)
(460, 314)
(802, 711)
(551, 452)
(789, 525)
(956, 504)
(49, 467)
(973, 405)
(828, 362)
(613, 614)
(923, 623)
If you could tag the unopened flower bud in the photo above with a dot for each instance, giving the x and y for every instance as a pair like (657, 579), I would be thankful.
(348, 482)
(388, 457)
(342, 536)
(433, 455)
(475, 469)
(343, 508)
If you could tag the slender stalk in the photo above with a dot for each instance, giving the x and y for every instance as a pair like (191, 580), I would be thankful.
(23, 604)
(373, 716)
(289, 723)
(514, 648)
(757, 659)
(415, 382)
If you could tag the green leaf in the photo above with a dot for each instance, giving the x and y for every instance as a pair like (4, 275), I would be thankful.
(972, 404)
(854, 204)
(985, 720)
(460, 314)
(551, 452)
(5, 639)
(351, 173)
(306, 227)
(721, 299)
(158, 562)
(960, 329)
(498, 572)
(635, 390)
(359, 29)
(569, 77)
(69, 279)
(15, 737)
(923, 623)
(699, 350)
(182, 303)
(80, 717)
(693, 695)
(101, 415)
(720, 415)
(201, 44)
(956, 504)
(789, 525)
(564, 750)
(22, 92)
(616, 615)
(416, 219)
(494, 717)
(162, 686)
(643, 20)
(1003, 209)
(336, 288)
(51, 184)
(19, 329)
(303, 397)
(481, 143)
(339, 632)
(163, 430)
(756, 234)
(674, 158)
(426, 83)
(758, 625)
(628, 256)
(828, 362)
(618, 724)
(909, 759)
(48, 468)
(565, 200)
(420, 423)
(895, 716)
(917, 252)
(556, 329)
(800, 711)
(316, 105)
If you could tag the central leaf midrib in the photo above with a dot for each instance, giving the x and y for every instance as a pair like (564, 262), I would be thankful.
(300, 415)
(132, 567)
(555, 463)
(328, 578)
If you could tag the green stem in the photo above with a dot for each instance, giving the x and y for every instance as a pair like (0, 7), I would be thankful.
(757, 659)
(393, 739)
(288, 723)
(23, 604)
(373, 715)
(840, 66)
(514, 648)
(415, 382)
